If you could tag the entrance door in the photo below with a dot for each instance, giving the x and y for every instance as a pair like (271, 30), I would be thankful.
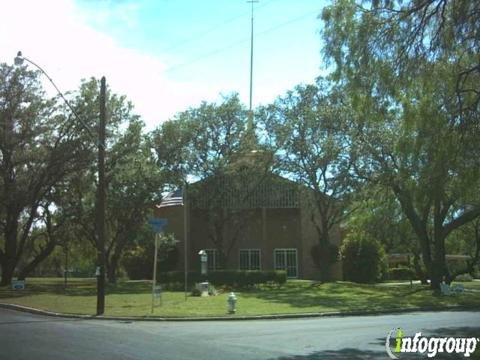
(286, 259)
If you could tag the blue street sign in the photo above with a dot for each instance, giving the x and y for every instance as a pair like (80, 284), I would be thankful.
(158, 224)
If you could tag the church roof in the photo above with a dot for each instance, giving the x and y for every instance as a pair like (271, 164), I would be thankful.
(241, 192)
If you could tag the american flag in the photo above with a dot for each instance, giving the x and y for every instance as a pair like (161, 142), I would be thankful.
(175, 198)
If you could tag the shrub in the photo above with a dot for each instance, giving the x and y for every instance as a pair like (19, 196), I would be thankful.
(476, 272)
(212, 291)
(237, 278)
(464, 277)
(196, 291)
(401, 273)
(363, 258)
(138, 262)
(134, 264)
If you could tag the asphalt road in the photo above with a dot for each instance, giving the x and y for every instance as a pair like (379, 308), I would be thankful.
(26, 336)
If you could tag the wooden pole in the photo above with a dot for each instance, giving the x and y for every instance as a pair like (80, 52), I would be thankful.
(185, 238)
(101, 200)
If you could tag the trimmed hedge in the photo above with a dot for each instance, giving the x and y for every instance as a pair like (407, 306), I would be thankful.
(227, 277)
(401, 273)
(138, 263)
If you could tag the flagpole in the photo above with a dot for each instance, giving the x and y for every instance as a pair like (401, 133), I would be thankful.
(185, 237)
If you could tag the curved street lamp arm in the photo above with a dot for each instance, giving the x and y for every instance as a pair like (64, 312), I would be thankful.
(84, 124)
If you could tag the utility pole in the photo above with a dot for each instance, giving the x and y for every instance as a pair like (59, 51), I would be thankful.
(101, 188)
(101, 200)
(185, 237)
(65, 273)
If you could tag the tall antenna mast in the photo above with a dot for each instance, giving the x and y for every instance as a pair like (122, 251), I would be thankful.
(250, 115)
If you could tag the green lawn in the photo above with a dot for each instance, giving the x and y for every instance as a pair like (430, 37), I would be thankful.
(134, 298)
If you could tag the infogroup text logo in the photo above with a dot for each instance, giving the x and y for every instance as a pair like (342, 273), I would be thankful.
(429, 345)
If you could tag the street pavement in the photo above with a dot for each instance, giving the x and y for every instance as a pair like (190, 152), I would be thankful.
(35, 337)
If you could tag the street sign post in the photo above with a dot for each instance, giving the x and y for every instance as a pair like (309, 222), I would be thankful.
(158, 293)
(157, 225)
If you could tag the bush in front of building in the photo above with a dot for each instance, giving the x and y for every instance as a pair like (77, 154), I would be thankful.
(236, 278)
(138, 261)
(464, 278)
(401, 273)
(476, 272)
(363, 258)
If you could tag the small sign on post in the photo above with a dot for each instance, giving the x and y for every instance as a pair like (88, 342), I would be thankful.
(203, 262)
(157, 224)
(158, 294)
(18, 284)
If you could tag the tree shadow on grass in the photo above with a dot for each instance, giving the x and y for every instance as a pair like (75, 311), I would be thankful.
(355, 297)
(87, 287)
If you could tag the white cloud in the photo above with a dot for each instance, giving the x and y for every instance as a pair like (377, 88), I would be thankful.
(55, 35)
(104, 12)
(67, 40)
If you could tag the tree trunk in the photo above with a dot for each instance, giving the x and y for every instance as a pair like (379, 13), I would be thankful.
(37, 260)
(418, 269)
(113, 260)
(8, 267)
(10, 255)
(325, 256)
(439, 269)
(439, 273)
(325, 271)
(112, 272)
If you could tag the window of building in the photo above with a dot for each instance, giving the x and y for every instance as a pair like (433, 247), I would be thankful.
(249, 259)
(286, 259)
(213, 259)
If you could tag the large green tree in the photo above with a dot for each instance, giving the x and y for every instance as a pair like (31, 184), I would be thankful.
(40, 147)
(133, 179)
(408, 34)
(379, 216)
(410, 133)
(214, 145)
(201, 141)
(308, 126)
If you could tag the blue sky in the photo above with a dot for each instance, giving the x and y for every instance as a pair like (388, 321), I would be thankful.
(168, 55)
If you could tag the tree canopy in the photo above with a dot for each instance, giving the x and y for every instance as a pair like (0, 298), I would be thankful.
(410, 133)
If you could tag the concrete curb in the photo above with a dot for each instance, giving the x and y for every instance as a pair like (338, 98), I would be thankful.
(230, 318)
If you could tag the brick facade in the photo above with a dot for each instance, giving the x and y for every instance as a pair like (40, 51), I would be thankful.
(268, 229)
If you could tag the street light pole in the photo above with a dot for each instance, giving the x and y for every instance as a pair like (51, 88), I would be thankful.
(19, 59)
(101, 190)
(101, 199)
